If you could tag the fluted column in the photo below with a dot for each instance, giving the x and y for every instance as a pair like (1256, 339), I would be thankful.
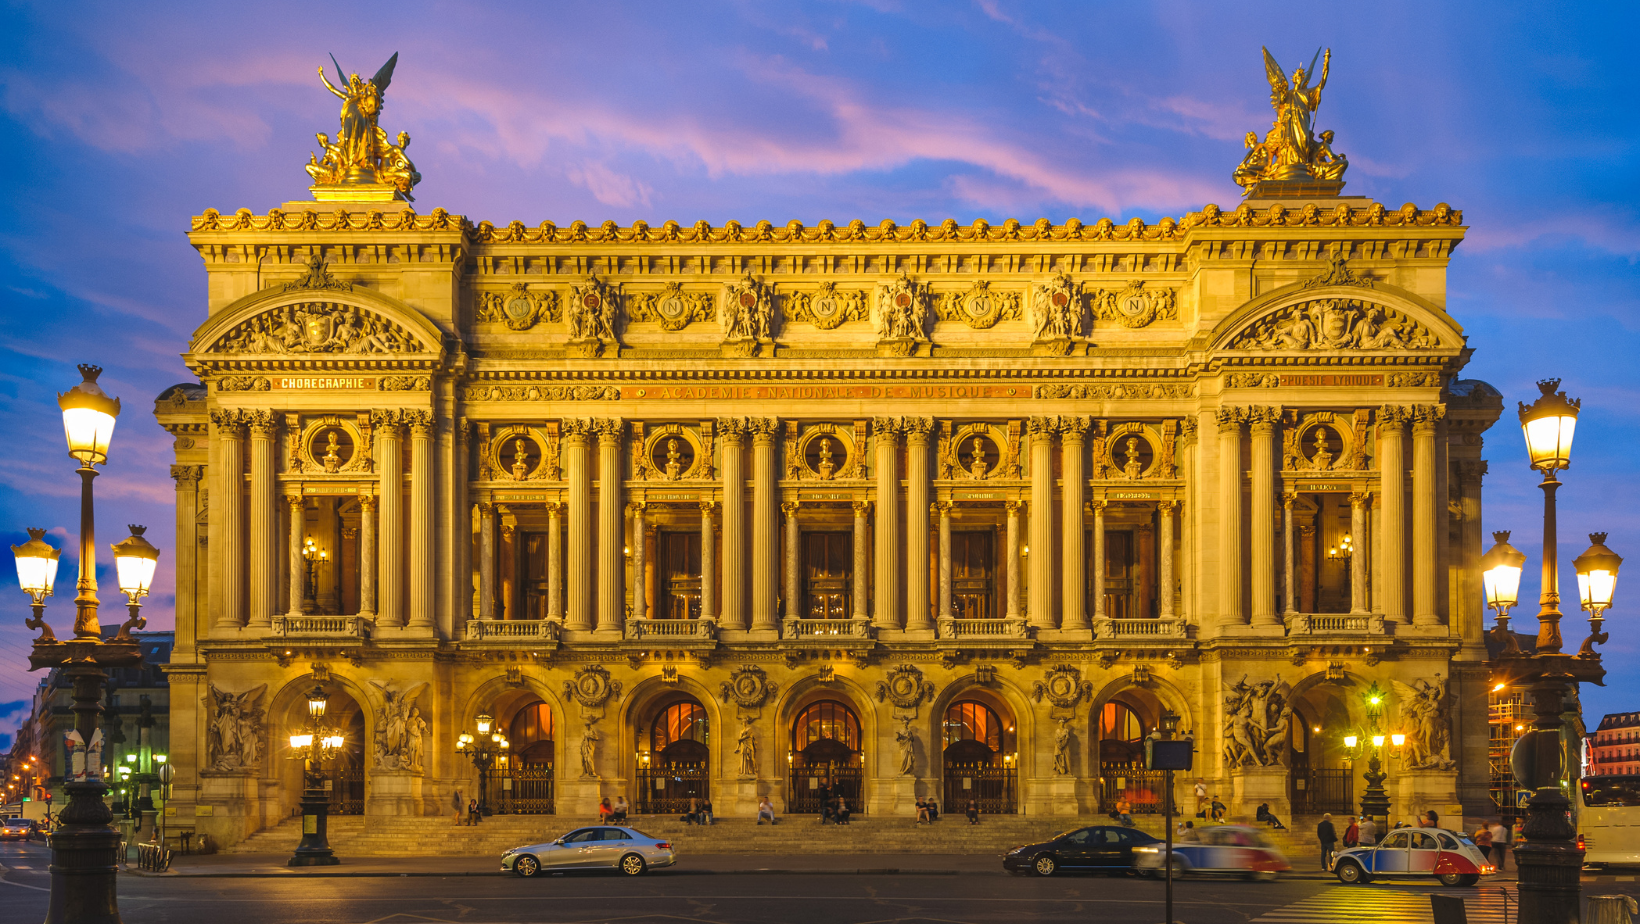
(611, 525)
(943, 508)
(367, 556)
(1289, 541)
(486, 560)
(577, 437)
(887, 546)
(1263, 570)
(733, 430)
(390, 556)
(1041, 545)
(1230, 570)
(765, 489)
(555, 562)
(794, 562)
(1073, 575)
(862, 561)
(1011, 597)
(1425, 419)
(1391, 471)
(708, 562)
(421, 519)
(293, 552)
(264, 516)
(1098, 509)
(917, 614)
(1363, 552)
(1164, 560)
(640, 596)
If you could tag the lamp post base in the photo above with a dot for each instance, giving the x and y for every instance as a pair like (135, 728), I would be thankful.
(314, 850)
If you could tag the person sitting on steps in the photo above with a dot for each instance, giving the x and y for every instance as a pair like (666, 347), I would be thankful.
(922, 811)
(618, 816)
(842, 810)
(825, 804)
(1265, 815)
(973, 811)
(1123, 812)
(692, 817)
(1218, 810)
(604, 811)
(765, 809)
(706, 812)
(933, 810)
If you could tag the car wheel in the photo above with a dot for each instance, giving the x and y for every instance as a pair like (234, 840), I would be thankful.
(1470, 879)
(632, 865)
(1452, 879)
(1350, 873)
(1045, 865)
(526, 866)
(1265, 876)
(1180, 867)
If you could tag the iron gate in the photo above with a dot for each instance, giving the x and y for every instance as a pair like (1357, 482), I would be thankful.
(667, 789)
(803, 798)
(1318, 791)
(1143, 789)
(993, 787)
(347, 791)
(520, 790)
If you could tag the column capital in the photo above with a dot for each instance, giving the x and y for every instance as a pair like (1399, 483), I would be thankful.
(187, 476)
(1393, 416)
(367, 501)
(1013, 507)
(941, 508)
(1425, 417)
(708, 507)
(1187, 428)
(1360, 499)
(1168, 506)
(885, 428)
(1263, 418)
(764, 430)
(263, 424)
(1288, 498)
(636, 509)
(862, 508)
(610, 430)
(1097, 506)
(295, 502)
(421, 423)
(789, 508)
(553, 508)
(388, 420)
(1042, 429)
(1073, 427)
(732, 429)
(1230, 419)
(230, 422)
(1470, 471)
(576, 429)
(917, 429)
(485, 508)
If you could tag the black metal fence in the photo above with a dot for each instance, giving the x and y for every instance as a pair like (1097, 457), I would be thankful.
(347, 791)
(1143, 789)
(668, 789)
(520, 790)
(807, 782)
(1318, 791)
(994, 788)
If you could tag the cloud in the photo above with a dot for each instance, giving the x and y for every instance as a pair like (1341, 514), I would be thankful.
(609, 187)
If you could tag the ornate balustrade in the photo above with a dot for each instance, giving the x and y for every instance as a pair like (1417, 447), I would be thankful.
(1141, 628)
(811, 629)
(680, 629)
(1335, 624)
(982, 629)
(320, 627)
(503, 632)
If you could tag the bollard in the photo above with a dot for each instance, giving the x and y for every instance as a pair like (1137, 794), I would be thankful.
(1448, 909)
(1611, 909)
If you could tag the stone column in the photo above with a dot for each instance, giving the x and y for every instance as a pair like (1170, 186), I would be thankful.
(486, 560)
(794, 562)
(858, 582)
(555, 562)
(917, 615)
(1040, 608)
(421, 519)
(189, 588)
(1098, 507)
(640, 589)
(765, 489)
(1307, 567)
(1425, 515)
(367, 556)
(577, 436)
(390, 466)
(1363, 552)
(1231, 612)
(293, 551)
(1263, 563)
(264, 510)
(1011, 591)
(1289, 541)
(886, 584)
(943, 508)
(1073, 591)
(733, 430)
(611, 525)
(1164, 560)
(229, 497)
(1468, 615)
(1391, 470)
(708, 562)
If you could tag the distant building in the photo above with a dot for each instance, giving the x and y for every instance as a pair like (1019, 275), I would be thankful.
(1614, 748)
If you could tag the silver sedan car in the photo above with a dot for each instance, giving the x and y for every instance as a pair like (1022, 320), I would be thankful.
(603, 847)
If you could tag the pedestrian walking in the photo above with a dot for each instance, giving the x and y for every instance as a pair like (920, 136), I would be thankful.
(1352, 834)
(1483, 841)
(455, 805)
(1329, 839)
(1201, 798)
(1500, 843)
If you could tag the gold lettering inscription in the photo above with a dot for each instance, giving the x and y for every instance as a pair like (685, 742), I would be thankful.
(325, 382)
(1330, 379)
(819, 392)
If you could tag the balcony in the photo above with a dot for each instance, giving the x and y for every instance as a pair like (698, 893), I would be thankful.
(511, 633)
(1008, 630)
(1160, 630)
(1335, 624)
(684, 634)
(822, 633)
(320, 628)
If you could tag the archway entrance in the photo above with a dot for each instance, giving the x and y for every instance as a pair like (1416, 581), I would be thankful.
(344, 771)
(521, 782)
(979, 759)
(1320, 778)
(675, 768)
(825, 758)
(1120, 728)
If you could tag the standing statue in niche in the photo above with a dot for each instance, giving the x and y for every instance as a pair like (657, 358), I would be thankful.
(1423, 713)
(746, 747)
(394, 750)
(1062, 748)
(415, 736)
(589, 753)
(907, 741)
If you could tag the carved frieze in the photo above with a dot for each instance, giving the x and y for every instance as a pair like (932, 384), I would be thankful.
(1123, 391)
(901, 315)
(234, 731)
(244, 383)
(1137, 305)
(1057, 309)
(590, 315)
(672, 307)
(748, 686)
(1063, 686)
(541, 393)
(1335, 324)
(592, 686)
(518, 307)
(905, 687)
(827, 307)
(318, 327)
(980, 307)
(747, 313)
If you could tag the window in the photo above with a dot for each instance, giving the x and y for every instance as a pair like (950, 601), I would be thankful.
(1447, 842)
(1397, 841)
(685, 721)
(680, 557)
(971, 721)
(530, 735)
(971, 574)
(827, 719)
(1423, 842)
(1079, 838)
(582, 836)
(829, 558)
(612, 834)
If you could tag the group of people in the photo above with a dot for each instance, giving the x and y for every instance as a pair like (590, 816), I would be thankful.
(1492, 839)
(466, 812)
(613, 814)
(833, 807)
(1208, 808)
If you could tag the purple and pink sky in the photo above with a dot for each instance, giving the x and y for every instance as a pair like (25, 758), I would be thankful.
(118, 121)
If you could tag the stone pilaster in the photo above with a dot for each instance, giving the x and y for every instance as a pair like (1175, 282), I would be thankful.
(486, 559)
(422, 483)
(943, 511)
(1362, 553)
(1263, 565)
(1073, 557)
(917, 612)
(858, 581)
(640, 554)
(611, 525)
(187, 563)
(555, 562)
(765, 489)
(1289, 541)
(733, 430)
(1041, 556)
(886, 584)
(794, 562)
(390, 555)
(1097, 509)
(1231, 611)
(1165, 582)
(293, 551)
(577, 437)
(1011, 564)
(1426, 419)
(264, 517)
(708, 562)
(1392, 541)
(229, 497)
(367, 556)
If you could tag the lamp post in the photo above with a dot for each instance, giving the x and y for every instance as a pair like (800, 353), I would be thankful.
(313, 746)
(1550, 860)
(1375, 801)
(483, 749)
(83, 847)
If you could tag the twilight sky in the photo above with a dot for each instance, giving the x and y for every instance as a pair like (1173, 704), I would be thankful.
(118, 121)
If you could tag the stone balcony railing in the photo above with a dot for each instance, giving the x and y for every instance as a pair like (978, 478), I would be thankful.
(982, 629)
(320, 627)
(697, 630)
(1335, 624)
(817, 629)
(1158, 629)
(532, 631)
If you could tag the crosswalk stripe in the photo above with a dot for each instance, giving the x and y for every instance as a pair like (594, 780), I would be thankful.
(1391, 906)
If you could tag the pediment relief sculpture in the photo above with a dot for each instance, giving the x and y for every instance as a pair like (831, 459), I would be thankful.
(827, 307)
(1335, 324)
(317, 277)
(901, 315)
(980, 307)
(518, 307)
(590, 315)
(318, 327)
(672, 307)
(1057, 309)
(1136, 306)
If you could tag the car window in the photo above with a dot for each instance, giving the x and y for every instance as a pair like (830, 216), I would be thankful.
(581, 836)
(1447, 842)
(1396, 841)
(613, 834)
(1112, 836)
(1423, 841)
(1078, 838)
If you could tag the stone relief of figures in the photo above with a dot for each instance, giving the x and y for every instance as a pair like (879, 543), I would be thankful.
(1335, 324)
(317, 327)
(1062, 748)
(518, 307)
(746, 747)
(906, 739)
(589, 751)
(1057, 309)
(233, 738)
(1135, 306)
(590, 314)
(827, 307)
(400, 729)
(1256, 720)
(980, 307)
(1424, 716)
(902, 311)
(747, 315)
(672, 307)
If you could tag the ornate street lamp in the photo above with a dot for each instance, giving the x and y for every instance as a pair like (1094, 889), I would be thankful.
(134, 561)
(314, 746)
(483, 750)
(84, 846)
(1375, 801)
(1500, 574)
(1550, 860)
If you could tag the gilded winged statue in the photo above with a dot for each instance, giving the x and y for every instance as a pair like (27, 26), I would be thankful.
(1291, 151)
(361, 154)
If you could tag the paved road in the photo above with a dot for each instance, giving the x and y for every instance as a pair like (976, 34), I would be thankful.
(683, 895)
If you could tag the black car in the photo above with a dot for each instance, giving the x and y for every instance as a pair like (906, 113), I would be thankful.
(1099, 847)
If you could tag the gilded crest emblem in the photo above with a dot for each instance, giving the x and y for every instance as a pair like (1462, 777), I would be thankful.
(905, 687)
(592, 686)
(827, 307)
(1063, 686)
(748, 686)
(318, 328)
(519, 307)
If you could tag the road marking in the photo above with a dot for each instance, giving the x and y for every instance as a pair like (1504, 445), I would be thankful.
(1493, 905)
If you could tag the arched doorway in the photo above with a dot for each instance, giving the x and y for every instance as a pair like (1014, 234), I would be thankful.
(674, 768)
(825, 758)
(979, 759)
(1320, 776)
(522, 780)
(344, 770)
(1120, 729)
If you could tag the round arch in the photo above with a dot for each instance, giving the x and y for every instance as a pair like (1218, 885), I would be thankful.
(1447, 331)
(534, 791)
(429, 339)
(637, 713)
(789, 703)
(349, 709)
(1013, 707)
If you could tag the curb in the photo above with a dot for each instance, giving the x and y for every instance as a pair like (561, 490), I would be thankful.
(762, 871)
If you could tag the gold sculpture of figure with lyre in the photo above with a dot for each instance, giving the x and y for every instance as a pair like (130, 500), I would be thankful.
(1289, 160)
(361, 164)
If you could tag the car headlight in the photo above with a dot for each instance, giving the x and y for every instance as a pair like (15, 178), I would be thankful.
(1145, 850)
(1015, 850)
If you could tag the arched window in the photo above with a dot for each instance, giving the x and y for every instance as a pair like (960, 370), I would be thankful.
(681, 732)
(1121, 735)
(971, 721)
(826, 726)
(530, 735)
